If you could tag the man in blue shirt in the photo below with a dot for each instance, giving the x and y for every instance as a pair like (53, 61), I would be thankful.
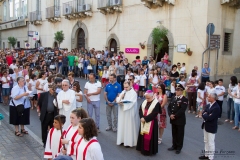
(112, 90)
(145, 61)
(205, 73)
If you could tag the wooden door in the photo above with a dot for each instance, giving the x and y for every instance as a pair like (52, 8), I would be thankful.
(113, 46)
(81, 39)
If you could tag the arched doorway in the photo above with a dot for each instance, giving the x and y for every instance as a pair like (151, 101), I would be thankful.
(150, 45)
(164, 49)
(81, 38)
(113, 46)
(55, 45)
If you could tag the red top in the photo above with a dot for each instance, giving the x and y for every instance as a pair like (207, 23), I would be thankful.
(9, 60)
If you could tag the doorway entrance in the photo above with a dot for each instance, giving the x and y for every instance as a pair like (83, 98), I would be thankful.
(113, 46)
(81, 38)
(164, 49)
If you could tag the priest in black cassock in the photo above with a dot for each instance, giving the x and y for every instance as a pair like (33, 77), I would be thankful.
(148, 134)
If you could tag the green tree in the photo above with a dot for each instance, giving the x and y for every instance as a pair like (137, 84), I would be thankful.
(12, 41)
(158, 35)
(59, 37)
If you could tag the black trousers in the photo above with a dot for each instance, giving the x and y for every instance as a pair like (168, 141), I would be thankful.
(48, 121)
(65, 70)
(205, 79)
(177, 136)
(220, 105)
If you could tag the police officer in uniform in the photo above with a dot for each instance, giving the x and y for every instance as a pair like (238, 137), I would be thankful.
(176, 112)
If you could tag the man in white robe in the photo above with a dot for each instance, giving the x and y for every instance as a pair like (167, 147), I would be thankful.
(66, 102)
(128, 118)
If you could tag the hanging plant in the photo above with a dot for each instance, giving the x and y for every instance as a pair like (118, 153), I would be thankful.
(158, 35)
(188, 51)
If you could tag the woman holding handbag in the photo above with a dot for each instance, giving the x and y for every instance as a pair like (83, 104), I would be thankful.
(20, 107)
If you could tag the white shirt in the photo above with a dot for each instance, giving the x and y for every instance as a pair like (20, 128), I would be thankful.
(183, 70)
(105, 74)
(33, 84)
(41, 85)
(172, 88)
(93, 87)
(12, 66)
(237, 90)
(5, 85)
(45, 87)
(137, 79)
(219, 90)
(183, 83)
(79, 104)
(211, 90)
(142, 79)
(201, 95)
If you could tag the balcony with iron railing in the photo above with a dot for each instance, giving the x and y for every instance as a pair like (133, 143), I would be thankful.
(36, 17)
(53, 14)
(231, 3)
(109, 6)
(76, 8)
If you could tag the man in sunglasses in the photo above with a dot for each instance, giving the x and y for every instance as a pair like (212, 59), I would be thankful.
(176, 112)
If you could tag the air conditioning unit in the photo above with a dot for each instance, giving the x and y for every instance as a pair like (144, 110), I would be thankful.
(172, 2)
(86, 7)
(225, 1)
(68, 9)
(116, 2)
(80, 8)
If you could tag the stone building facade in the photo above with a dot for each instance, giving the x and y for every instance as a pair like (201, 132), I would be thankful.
(121, 24)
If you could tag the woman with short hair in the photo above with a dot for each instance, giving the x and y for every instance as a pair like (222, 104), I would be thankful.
(20, 107)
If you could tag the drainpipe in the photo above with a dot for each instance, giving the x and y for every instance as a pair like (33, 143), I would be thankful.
(203, 55)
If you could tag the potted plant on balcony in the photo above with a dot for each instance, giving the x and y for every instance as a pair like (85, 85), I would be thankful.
(188, 51)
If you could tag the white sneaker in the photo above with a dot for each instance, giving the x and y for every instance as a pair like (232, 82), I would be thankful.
(114, 129)
(108, 128)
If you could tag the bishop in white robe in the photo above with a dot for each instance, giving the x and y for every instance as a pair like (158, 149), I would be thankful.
(66, 101)
(128, 118)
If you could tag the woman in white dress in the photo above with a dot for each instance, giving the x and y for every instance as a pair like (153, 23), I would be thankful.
(78, 94)
(32, 87)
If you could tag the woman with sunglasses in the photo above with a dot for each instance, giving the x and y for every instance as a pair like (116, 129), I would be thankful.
(162, 99)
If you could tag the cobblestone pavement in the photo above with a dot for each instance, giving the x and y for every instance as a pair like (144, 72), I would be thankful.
(17, 148)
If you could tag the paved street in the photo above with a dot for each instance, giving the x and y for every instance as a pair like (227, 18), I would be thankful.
(226, 140)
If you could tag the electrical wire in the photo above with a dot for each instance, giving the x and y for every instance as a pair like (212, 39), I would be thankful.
(114, 23)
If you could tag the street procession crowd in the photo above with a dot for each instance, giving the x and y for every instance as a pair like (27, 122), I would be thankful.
(45, 79)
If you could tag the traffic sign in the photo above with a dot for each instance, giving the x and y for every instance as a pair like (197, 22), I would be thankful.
(215, 41)
(210, 29)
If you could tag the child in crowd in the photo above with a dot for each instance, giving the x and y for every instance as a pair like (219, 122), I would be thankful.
(136, 81)
(129, 73)
(167, 83)
(88, 146)
(105, 76)
(183, 83)
(211, 89)
(100, 73)
(53, 144)
(200, 99)
(183, 69)
(150, 76)
(71, 136)
(173, 86)
(142, 83)
(220, 91)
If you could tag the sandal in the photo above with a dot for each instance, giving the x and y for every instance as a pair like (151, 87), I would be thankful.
(159, 140)
(18, 134)
(235, 127)
(24, 131)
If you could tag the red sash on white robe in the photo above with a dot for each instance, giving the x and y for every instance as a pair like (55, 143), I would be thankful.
(85, 150)
(73, 133)
(53, 143)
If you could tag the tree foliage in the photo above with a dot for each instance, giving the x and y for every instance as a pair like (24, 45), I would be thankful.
(12, 41)
(158, 35)
(59, 37)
